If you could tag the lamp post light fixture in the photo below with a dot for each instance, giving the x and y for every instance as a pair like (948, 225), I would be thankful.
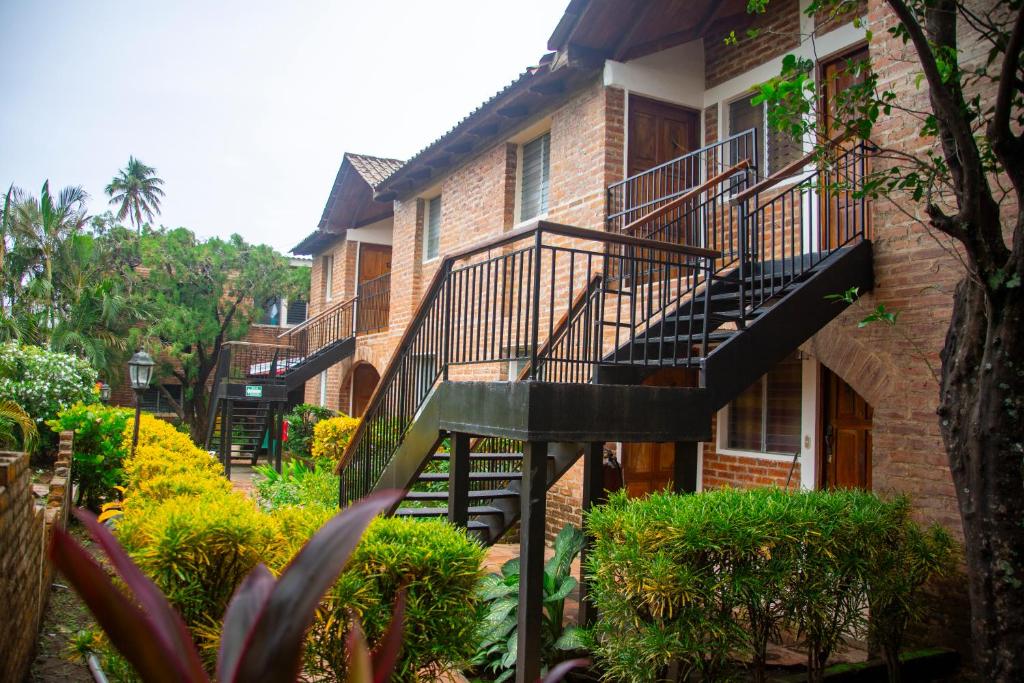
(140, 372)
(104, 392)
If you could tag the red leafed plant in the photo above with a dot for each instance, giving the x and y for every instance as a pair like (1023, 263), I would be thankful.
(265, 623)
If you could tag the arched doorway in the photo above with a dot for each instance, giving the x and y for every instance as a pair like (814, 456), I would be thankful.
(846, 429)
(364, 381)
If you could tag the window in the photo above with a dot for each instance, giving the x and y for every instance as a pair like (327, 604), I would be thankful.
(271, 312)
(432, 233)
(323, 389)
(776, 151)
(328, 275)
(155, 401)
(535, 178)
(296, 312)
(766, 416)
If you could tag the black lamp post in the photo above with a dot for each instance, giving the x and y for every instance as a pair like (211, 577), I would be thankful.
(140, 371)
(104, 392)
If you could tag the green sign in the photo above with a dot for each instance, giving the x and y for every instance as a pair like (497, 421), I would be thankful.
(253, 391)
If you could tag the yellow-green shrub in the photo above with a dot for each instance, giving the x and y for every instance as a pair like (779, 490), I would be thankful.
(441, 569)
(331, 436)
(151, 461)
(197, 538)
(198, 548)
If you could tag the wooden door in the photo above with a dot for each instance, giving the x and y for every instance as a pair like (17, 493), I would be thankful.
(842, 213)
(846, 421)
(364, 381)
(647, 467)
(374, 261)
(659, 132)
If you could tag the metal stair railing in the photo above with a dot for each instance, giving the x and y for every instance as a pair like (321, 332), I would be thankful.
(788, 231)
(499, 301)
(332, 325)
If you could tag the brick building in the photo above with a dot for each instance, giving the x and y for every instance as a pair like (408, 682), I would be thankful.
(627, 88)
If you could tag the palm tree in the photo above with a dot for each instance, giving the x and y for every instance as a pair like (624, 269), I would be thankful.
(136, 188)
(39, 229)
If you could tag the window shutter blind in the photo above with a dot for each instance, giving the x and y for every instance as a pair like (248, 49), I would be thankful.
(433, 227)
(533, 199)
(296, 312)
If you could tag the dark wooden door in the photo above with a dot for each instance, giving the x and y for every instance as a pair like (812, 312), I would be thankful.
(648, 467)
(842, 213)
(846, 420)
(374, 261)
(659, 132)
(364, 381)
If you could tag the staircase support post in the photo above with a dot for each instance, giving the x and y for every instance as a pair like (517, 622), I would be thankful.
(225, 437)
(533, 501)
(593, 488)
(458, 480)
(684, 467)
(276, 424)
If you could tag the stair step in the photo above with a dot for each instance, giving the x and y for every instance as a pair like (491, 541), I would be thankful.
(473, 476)
(443, 511)
(474, 524)
(492, 494)
(483, 456)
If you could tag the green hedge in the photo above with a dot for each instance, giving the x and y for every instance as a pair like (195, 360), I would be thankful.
(99, 450)
(702, 581)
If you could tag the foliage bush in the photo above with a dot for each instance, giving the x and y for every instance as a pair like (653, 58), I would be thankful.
(698, 581)
(497, 652)
(301, 421)
(298, 484)
(440, 569)
(331, 436)
(99, 449)
(196, 537)
(44, 383)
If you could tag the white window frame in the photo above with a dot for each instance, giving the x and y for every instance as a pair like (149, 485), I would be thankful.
(327, 264)
(323, 389)
(427, 201)
(809, 406)
(517, 211)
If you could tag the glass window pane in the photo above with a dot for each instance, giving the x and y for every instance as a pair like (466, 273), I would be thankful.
(782, 425)
(745, 419)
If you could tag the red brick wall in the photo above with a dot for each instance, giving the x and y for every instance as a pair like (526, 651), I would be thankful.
(27, 516)
(779, 27)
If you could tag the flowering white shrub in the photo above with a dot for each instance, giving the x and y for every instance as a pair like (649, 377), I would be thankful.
(44, 382)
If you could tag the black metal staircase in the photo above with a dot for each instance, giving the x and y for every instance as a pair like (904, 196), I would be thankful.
(252, 381)
(726, 277)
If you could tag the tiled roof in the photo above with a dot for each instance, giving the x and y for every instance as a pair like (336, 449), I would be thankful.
(373, 169)
(517, 82)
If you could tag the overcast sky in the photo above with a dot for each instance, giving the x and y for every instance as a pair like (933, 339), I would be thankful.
(245, 106)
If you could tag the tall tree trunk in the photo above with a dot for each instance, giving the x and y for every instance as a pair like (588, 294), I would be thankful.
(981, 415)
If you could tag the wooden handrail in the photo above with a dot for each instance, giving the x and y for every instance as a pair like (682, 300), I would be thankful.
(582, 233)
(789, 170)
(308, 321)
(690, 194)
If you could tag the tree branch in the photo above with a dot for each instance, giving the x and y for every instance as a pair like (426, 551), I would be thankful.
(174, 404)
(1006, 145)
